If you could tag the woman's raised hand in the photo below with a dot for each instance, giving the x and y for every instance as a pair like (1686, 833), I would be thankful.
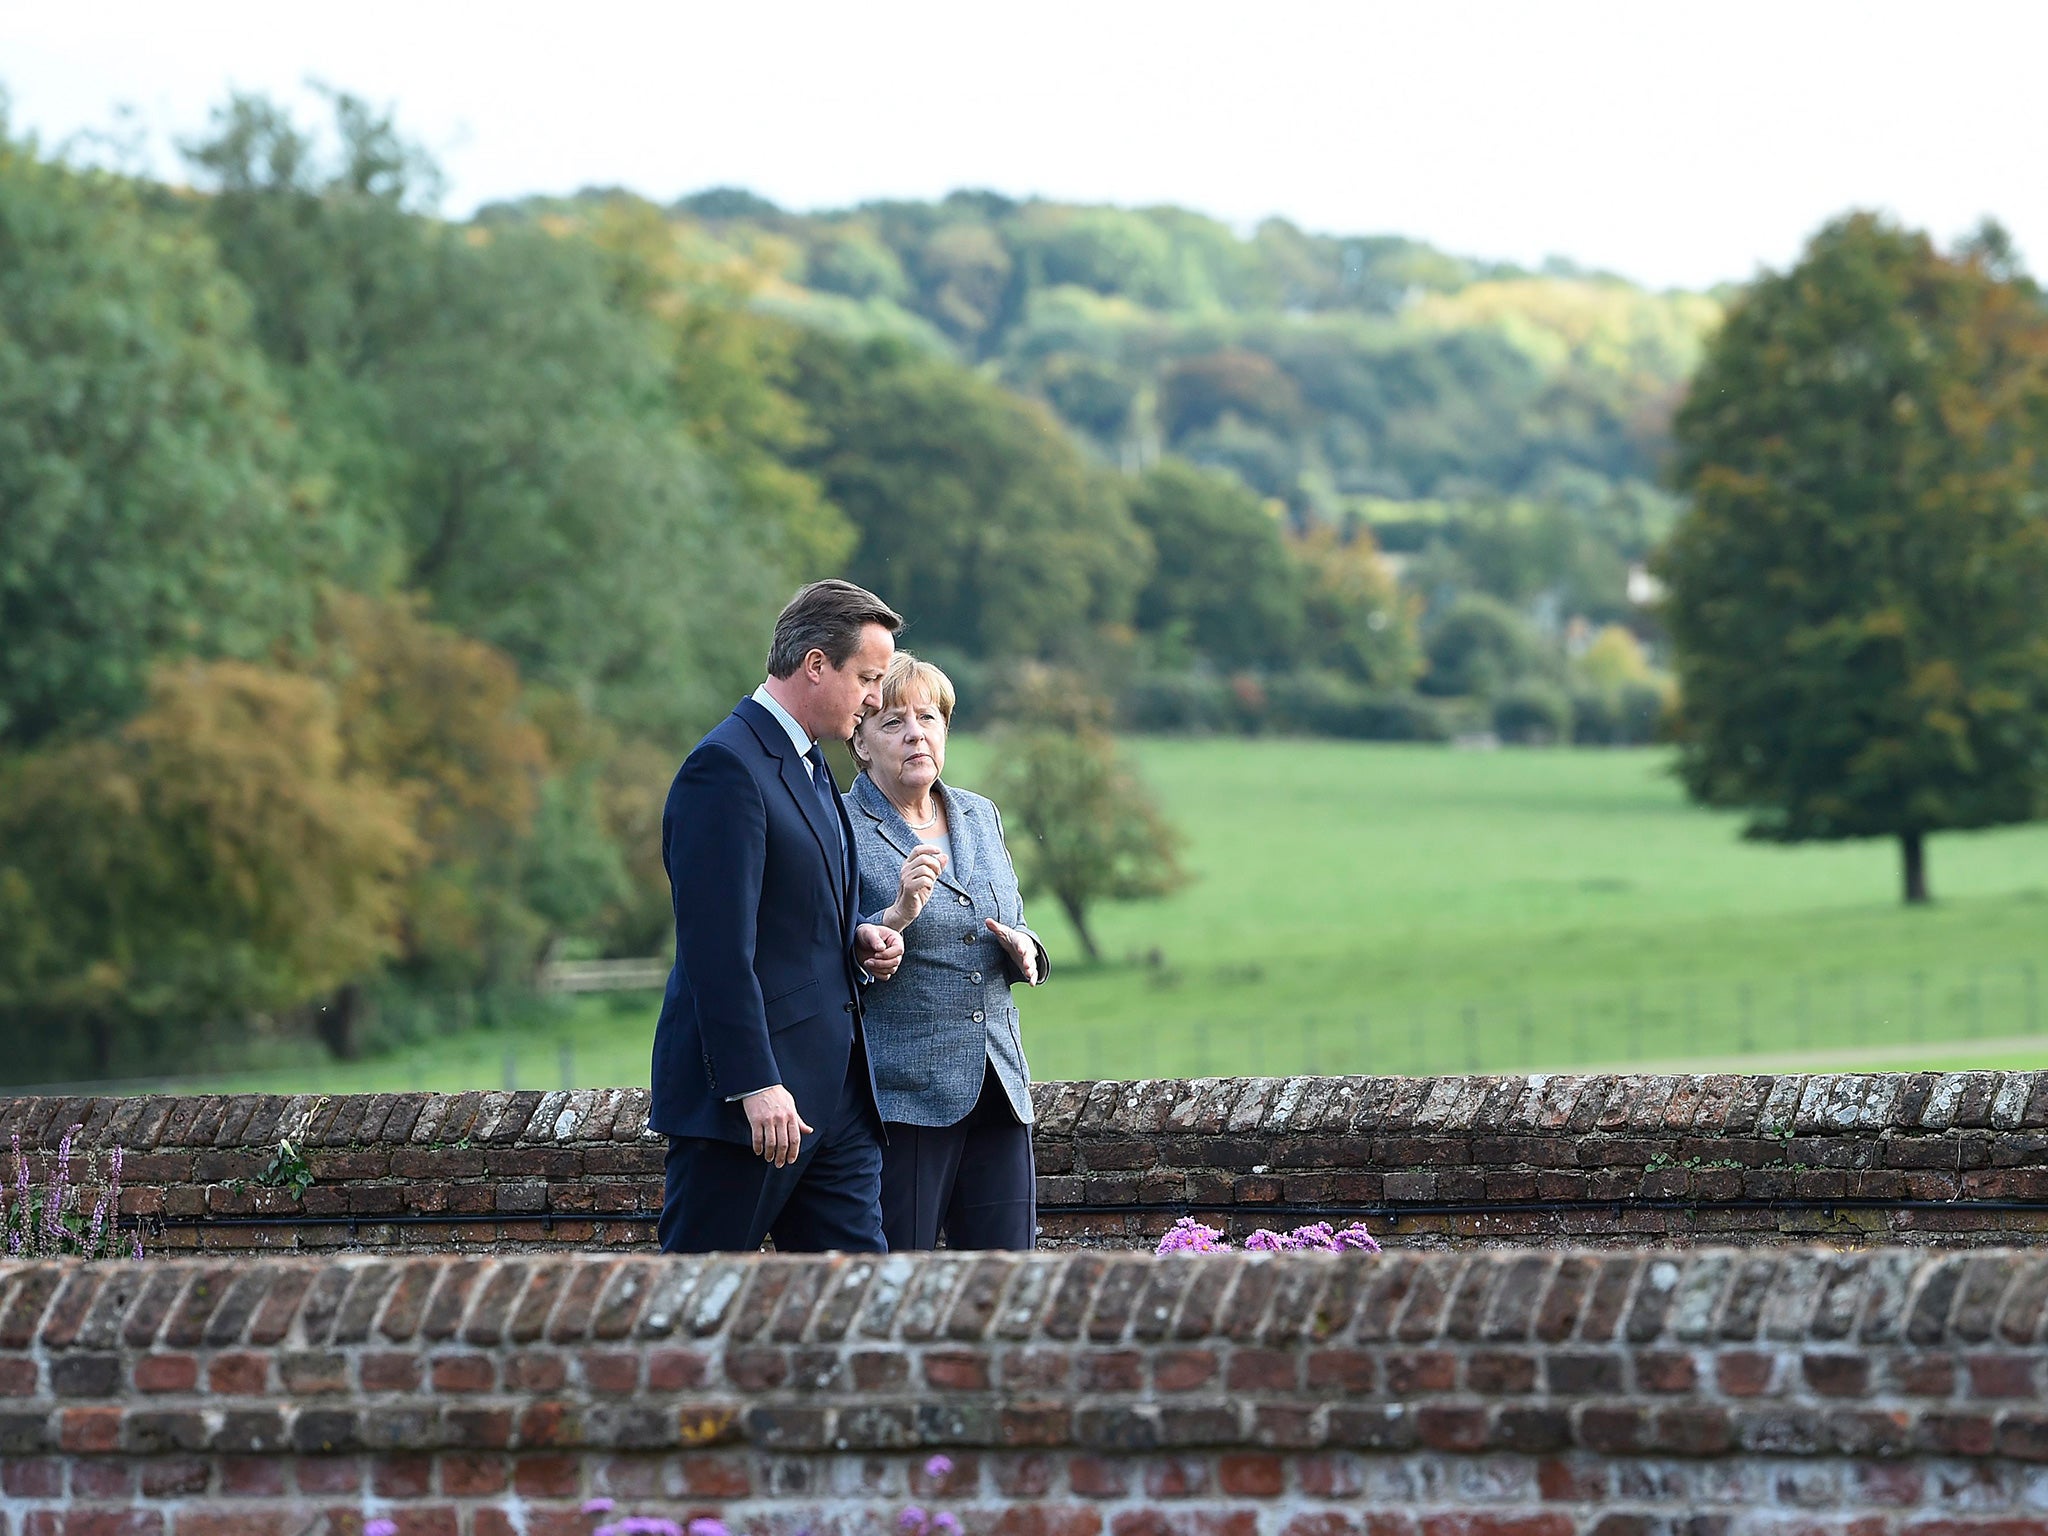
(920, 874)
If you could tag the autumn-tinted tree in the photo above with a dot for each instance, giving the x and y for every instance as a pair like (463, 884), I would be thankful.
(1355, 618)
(218, 858)
(1859, 593)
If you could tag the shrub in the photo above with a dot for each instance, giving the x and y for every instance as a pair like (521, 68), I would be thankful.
(1179, 703)
(1323, 704)
(1533, 714)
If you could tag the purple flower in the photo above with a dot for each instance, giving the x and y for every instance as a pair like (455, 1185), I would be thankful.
(650, 1525)
(1189, 1236)
(137, 1254)
(597, 1506)
(380, 1527)
(912, 1520)
(1357, 1237)
(948, 1522)
(1316, 1238)
(99, 1221)
(1265, 1240)
(939, 1467)
(706, 1526)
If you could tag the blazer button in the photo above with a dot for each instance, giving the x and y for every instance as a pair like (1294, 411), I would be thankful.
(977, 1015)
(974, 975)
(965, 902)
(966, 938)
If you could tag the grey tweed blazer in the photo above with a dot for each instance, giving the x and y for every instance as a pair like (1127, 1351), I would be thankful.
(947, 1012)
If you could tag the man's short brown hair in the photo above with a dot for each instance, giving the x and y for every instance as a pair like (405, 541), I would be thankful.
(826, 616)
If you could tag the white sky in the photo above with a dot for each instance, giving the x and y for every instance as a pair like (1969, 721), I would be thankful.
(1678, 144)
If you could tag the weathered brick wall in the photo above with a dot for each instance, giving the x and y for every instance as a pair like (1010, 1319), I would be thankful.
(1957, 1158)
(1538, 1393)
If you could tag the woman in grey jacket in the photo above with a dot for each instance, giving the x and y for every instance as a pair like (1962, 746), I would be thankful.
(942, 1033)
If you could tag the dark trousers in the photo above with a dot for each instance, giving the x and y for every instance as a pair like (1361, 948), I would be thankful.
(973, 1180)
(722, 1196)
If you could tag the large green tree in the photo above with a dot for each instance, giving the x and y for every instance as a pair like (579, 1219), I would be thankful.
(1223, 583)
(147, 502)
(499, 409)
(1859, 592)
(976, 511)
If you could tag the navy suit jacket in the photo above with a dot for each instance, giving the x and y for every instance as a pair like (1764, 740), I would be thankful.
(765, 988)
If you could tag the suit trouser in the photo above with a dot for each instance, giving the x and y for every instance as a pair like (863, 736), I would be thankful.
(723, 1196)
(973, 1180)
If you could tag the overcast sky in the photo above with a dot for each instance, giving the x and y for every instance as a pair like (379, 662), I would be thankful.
(1679, 144)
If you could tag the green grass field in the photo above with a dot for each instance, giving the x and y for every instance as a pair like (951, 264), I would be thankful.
(1411, 909)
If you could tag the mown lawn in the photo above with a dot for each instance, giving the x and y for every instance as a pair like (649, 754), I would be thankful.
(1407, 909)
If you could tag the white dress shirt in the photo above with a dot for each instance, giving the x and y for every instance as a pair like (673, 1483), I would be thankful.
(799, 737)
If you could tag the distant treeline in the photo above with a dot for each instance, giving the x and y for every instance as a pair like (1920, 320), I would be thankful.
(363, 573)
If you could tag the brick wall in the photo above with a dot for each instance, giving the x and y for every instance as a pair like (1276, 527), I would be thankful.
(1531, 1393)
(1929, 1158)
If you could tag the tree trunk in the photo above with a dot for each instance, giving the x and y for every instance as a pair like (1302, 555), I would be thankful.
(99, 1034)
(335, 1022)
(1074, 911)
(1913, 859)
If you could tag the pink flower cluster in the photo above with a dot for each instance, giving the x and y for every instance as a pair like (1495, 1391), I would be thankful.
(1190, 1236)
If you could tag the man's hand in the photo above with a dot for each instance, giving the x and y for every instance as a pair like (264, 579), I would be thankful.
(1022, 947)
(879, 949)
(914, 887)
(778, 1129)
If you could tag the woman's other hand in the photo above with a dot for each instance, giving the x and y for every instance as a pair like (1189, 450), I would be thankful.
(920, 874)
(1022, 947)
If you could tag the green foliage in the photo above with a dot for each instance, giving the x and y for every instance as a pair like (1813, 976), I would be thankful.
(1859, 595)
(1222, 580)
(1533, 713)
(501, 415)
(976, 512)
(1091, 832)
(287, 1170)
(147, 502)
(1479, 647)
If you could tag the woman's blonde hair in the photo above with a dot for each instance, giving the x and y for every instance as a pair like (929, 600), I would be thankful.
(906, 672)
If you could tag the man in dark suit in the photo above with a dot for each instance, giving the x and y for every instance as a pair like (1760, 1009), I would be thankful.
(761, 1076)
